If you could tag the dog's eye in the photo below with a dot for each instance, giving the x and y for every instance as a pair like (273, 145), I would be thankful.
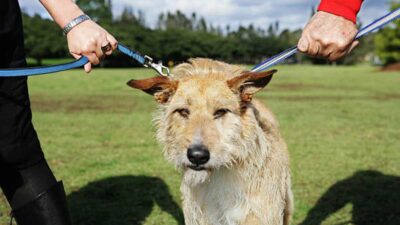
(183, 112)
(220, 113)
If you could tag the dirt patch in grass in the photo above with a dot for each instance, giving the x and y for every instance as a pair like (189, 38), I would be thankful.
(106, 104)
(296, 86)
(386, 97)
(391, 67)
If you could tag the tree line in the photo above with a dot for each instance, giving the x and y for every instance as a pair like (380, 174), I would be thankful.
(177, 37)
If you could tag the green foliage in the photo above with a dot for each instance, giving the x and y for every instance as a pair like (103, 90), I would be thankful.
(43, 38)
(388, 40)
(98, 10)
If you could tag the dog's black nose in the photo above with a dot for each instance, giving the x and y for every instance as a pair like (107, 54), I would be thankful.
(198, 154)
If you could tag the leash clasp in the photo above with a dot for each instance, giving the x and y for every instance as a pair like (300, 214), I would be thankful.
(159, 67)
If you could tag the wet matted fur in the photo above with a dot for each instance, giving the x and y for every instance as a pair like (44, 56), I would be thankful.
(246, 180)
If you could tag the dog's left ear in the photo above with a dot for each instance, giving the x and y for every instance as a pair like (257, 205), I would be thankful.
(162, 88)
(250, 83)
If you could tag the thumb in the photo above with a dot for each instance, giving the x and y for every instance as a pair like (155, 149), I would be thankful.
(303, 44)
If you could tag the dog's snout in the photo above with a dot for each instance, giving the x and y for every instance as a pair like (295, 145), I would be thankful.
(198, 154)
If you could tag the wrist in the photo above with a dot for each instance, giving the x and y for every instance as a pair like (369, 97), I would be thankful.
(67, 17)
(347, 9)
(62, 11)
(75, 22)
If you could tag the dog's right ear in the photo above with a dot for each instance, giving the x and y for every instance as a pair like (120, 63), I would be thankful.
(250, 83)
(162, 88)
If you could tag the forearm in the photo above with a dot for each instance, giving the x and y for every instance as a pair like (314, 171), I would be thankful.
(344, 8)
(62, 11)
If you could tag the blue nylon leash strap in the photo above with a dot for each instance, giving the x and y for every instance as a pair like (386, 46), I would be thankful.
(146, 61)
(377, 24)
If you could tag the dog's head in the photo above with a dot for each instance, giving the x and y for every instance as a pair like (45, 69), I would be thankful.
(204, 123)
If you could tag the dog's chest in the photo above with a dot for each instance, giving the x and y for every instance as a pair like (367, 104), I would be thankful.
(223, 199)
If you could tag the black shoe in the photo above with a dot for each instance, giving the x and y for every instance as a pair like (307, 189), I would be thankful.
(49, 208)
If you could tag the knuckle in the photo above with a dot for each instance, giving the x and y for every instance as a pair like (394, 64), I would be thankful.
(315, 36)
(86, 49)
(93, 41)
(97, 35)
(326, 41)
(341, 44)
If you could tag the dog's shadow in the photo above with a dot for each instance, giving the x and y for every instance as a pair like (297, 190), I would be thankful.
(124, 200)
(375, 198)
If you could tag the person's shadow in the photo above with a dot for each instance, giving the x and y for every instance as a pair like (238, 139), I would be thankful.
(124, 200)
(375, 198)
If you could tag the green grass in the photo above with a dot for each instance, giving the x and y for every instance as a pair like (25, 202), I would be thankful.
(342, 126)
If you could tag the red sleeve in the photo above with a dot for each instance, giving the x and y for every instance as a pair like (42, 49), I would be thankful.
(345, 8)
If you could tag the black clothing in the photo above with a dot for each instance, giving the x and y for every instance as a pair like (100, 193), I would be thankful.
(49, 208)
(25, 178)
(19, 145)
(11, 34)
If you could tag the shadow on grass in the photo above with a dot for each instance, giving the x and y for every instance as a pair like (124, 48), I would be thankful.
(375, 198)
(124, 200)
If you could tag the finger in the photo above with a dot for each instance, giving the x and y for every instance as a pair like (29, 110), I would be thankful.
(98, 50)
(336, 56)
(303, 44)
(327, 51)
(88, 67)
(352, 46)
(314, 49)
(340, 54)
(107, 44)
(113, 41)
(93, 59)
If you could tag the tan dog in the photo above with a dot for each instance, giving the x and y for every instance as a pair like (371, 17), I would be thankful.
(235, 164)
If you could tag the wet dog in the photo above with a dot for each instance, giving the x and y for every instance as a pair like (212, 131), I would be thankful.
(234, 162)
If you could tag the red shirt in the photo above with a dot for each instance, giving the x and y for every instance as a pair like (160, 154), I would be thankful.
(345, 8)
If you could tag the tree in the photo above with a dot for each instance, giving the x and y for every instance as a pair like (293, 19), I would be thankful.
(43, 39)
(129, 17)
(388, 40)
(98, 10)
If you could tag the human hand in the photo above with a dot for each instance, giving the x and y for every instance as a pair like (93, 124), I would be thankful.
(87, 39)
(328, 36)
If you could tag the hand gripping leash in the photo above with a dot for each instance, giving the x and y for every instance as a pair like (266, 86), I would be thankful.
(145, 61)
(377, 24)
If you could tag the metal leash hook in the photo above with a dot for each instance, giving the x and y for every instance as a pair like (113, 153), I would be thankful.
(159, 67)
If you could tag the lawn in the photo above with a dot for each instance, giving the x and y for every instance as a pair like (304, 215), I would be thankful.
(342, 126)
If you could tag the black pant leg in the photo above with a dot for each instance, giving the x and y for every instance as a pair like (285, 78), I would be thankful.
(24, 172)
(19, 144)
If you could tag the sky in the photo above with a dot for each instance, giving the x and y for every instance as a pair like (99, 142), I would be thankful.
(292, 14)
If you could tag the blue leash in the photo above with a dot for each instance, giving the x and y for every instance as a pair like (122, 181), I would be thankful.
(146, 61)
(377, 24)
